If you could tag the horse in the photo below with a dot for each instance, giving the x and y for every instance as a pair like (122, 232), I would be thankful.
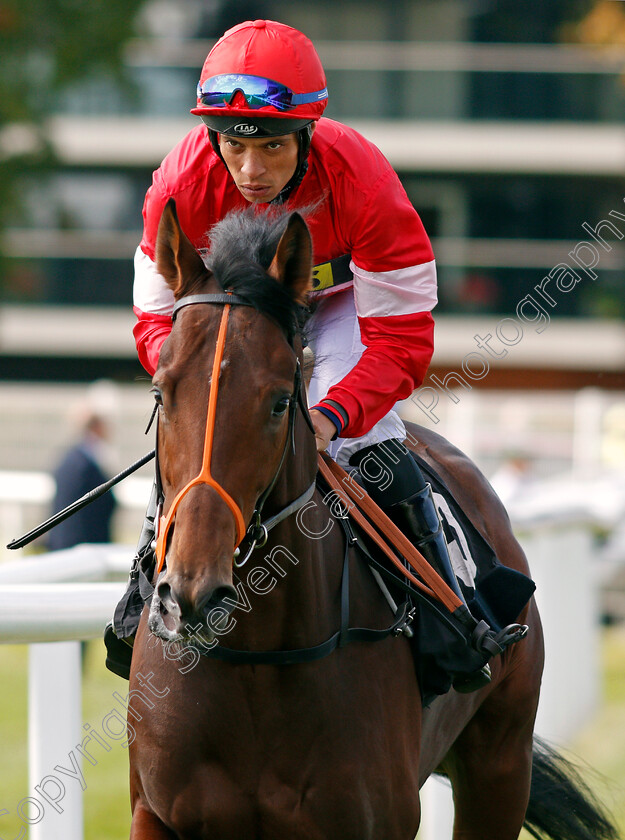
(262, 741)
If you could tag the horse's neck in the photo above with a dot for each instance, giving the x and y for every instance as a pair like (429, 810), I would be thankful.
(289, 588)
(289, 593)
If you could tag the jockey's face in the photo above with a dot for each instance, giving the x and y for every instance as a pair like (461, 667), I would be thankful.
(260, 166)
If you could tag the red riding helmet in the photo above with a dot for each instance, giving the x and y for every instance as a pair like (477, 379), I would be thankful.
(265, 72)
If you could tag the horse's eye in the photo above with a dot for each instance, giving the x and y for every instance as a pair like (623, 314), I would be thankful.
(280, 406)
(158, 397)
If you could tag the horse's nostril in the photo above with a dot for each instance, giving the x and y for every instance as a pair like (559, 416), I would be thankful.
(169, 600)
(222, 597)
(163, 590)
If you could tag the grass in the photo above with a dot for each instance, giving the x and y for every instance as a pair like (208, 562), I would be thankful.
(599, 750)
(106, 801)
(602, 743)
(107, 813)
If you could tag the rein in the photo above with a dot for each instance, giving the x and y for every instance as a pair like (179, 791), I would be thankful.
(361, 504)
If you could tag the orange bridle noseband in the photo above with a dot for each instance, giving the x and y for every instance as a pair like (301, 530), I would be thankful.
(204, 476)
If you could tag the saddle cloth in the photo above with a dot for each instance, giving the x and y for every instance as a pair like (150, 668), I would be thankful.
(493, 593)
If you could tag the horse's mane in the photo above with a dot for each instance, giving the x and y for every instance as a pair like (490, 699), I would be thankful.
(242, 246)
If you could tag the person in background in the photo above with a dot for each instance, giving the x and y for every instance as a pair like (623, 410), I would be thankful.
(80, 470)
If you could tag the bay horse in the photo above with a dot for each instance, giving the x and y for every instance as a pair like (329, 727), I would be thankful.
(334, 745)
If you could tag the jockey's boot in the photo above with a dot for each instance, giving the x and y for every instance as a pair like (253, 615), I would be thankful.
(119, 634)
(394, 481)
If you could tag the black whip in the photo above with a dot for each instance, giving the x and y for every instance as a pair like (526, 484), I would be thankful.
(79, 504)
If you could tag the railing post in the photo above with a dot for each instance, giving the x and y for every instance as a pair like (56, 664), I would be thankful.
(55, 809)
(437, 810)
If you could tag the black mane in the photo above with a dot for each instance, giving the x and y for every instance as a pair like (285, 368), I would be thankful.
(242, 246)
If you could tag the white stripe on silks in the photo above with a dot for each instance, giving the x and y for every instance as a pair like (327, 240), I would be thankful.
(150, 291)
(403, 291)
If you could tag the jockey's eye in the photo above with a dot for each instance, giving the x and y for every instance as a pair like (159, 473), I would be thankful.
(280, 407)
(158, 397)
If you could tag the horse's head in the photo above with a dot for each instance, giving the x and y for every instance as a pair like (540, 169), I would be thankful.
(227, 386)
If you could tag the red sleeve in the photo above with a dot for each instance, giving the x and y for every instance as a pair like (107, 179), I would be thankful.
(386, 237)
(388, 232)
(394, 363)
(150, 332)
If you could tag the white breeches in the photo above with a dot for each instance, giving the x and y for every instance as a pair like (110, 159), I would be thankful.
(334, 338)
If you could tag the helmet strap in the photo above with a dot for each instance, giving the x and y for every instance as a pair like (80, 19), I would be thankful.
(304, 136)
(213, 136)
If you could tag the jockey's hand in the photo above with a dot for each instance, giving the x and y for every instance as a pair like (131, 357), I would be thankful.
(324, 429)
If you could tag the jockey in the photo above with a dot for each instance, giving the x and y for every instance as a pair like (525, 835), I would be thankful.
(262, 140)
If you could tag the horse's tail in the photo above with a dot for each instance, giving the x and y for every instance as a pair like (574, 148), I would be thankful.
(562, 806)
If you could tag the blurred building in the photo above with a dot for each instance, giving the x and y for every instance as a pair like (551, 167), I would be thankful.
(507, 132)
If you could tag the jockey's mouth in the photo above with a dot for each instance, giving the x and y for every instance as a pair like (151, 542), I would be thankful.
(257, 192)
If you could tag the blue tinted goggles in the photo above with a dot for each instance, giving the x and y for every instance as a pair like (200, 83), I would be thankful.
(218, 92)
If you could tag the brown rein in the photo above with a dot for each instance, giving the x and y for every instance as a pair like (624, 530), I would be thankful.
(365, 512)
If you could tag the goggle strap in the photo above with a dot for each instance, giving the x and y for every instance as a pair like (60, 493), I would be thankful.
(305, 98)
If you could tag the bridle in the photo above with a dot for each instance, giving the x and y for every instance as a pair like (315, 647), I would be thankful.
(485, 641)
(256, 533)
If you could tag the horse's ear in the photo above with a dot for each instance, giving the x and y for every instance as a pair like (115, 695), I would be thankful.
(292, 264)
(176, 258)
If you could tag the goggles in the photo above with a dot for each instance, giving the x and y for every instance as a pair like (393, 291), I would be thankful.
(218, 92)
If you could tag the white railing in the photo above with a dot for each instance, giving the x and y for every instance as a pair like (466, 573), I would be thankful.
(39, 605)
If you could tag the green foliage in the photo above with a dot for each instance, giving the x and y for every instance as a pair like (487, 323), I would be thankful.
(48, 44)
(46, 47)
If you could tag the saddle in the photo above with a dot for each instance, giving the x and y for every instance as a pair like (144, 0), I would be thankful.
(450, 640)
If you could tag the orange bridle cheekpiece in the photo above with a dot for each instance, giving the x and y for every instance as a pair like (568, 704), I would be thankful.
(204, 476)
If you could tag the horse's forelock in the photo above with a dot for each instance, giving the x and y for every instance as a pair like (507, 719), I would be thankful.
(246, 235)
(242, 247)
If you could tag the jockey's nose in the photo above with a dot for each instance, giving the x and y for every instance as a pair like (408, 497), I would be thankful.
(252, 165)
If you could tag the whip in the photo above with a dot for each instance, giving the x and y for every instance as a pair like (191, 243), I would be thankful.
(79, 504)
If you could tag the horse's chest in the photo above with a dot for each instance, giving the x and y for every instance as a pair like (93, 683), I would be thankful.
(319, 803)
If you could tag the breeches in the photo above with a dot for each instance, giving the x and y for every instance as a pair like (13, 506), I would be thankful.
(334, 338)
